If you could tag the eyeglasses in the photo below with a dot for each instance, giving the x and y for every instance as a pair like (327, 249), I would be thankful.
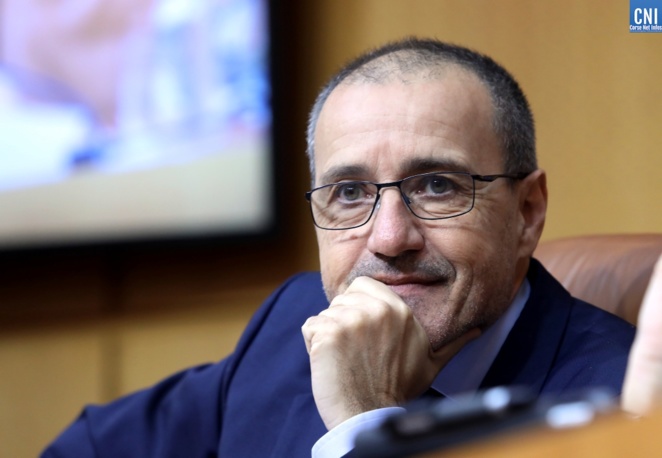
(429, 196)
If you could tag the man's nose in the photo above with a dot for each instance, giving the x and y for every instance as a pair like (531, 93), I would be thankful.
(394, 228)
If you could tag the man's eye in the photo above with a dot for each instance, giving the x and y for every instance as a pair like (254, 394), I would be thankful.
(438, 185)
(350, 192)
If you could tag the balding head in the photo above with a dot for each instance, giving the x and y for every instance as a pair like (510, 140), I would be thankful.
(412, 60)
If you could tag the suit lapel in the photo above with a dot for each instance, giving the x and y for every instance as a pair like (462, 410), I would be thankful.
(528, 353)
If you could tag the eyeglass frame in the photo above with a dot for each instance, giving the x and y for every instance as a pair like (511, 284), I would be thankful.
(405, 198)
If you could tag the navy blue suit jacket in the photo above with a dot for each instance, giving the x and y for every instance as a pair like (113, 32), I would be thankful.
(258, 401)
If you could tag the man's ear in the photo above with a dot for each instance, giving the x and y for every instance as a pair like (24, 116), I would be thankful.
(532, 211)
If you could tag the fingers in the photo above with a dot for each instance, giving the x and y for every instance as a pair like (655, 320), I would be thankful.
(374, 289)
(642, 389)
(366, 301)
(367, 350)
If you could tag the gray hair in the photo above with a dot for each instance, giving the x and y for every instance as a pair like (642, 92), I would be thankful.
(513, 120)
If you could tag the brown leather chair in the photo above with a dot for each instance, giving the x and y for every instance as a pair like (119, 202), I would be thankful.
(610, 271)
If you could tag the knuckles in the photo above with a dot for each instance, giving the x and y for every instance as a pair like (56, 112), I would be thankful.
(356, 309)
(354, 318)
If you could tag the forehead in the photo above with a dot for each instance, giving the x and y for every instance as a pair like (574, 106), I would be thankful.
(386, 131)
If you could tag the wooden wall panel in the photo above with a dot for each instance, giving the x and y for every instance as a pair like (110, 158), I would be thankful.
(48, 374)
(152, 348)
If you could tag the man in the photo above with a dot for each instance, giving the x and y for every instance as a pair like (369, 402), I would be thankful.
(428, 204)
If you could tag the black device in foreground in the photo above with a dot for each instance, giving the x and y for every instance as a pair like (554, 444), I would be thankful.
(436, 425)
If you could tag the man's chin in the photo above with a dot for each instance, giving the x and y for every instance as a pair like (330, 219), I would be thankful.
(442, 336)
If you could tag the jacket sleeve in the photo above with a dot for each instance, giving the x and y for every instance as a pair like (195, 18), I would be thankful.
(182, 416)
(177, 417)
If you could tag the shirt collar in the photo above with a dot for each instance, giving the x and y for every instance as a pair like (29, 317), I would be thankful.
(465, 372)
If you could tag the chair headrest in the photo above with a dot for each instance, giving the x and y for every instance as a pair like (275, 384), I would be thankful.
(609, 271)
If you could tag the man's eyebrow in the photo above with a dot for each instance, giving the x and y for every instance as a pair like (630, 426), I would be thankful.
(410, 167)
(415, 166)
(343, 172)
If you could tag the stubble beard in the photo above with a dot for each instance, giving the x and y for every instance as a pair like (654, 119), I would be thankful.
(456, 310)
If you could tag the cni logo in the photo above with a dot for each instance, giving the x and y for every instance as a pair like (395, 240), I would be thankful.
(646, 16)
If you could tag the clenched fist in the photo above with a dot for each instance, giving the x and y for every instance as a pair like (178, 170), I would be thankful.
(368, 351)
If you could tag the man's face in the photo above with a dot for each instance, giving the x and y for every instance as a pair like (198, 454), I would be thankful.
(455, 274)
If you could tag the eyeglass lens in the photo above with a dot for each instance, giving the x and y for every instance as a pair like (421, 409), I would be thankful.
(428, 196)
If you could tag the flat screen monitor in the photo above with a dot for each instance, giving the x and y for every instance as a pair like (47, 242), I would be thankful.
(134, 120)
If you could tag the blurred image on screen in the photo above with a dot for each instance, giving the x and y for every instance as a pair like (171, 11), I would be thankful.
(125, 119)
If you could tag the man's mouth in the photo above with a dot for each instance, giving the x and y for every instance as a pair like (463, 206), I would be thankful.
(406, 280)
(407, 277)
(408, 286)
